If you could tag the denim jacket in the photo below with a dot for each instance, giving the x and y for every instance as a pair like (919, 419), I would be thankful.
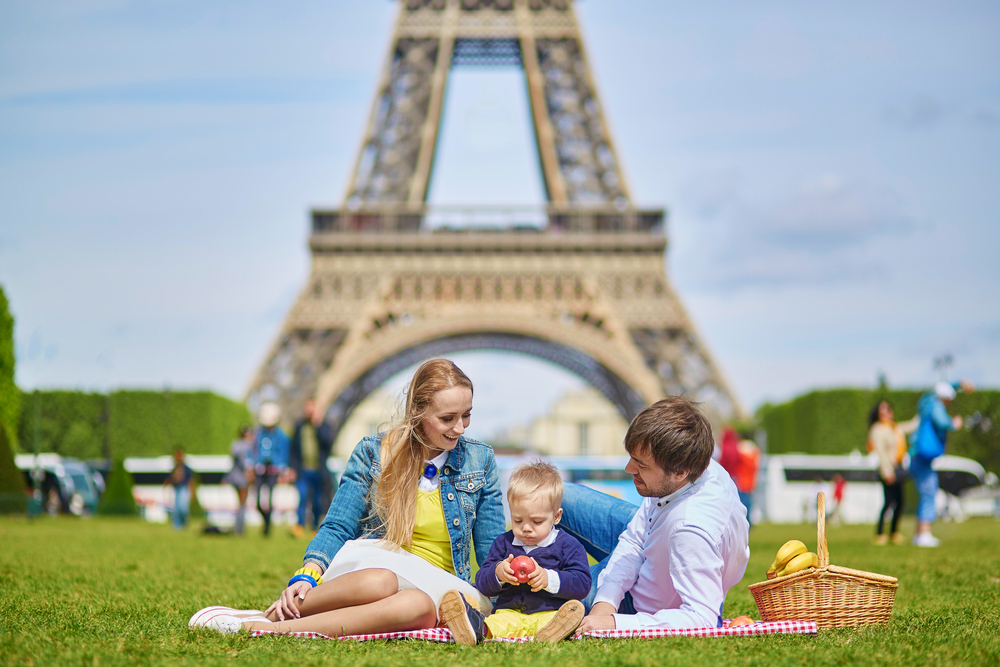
(470, 495)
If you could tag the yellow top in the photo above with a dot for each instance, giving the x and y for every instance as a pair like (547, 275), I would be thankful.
(430, 532)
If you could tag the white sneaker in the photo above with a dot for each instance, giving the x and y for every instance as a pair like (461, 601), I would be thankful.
(925, 540)
(227, 625)
(202, 617)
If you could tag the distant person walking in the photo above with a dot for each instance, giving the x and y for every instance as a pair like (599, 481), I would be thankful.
(310, 448)
(269, 457)
(928, 443)
(181, 478)
(887, 440)
(729, 455)
(741, 459)
(239, 476)
(839, 483)
(747, 470)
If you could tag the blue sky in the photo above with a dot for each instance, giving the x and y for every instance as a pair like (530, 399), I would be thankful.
(830, 170)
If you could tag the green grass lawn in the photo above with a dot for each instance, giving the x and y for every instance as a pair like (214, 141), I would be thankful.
(105, 592)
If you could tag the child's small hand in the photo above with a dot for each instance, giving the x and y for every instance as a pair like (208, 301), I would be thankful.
(504, 572)
(538, 579)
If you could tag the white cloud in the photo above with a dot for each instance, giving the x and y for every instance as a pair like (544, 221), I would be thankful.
(820, 232)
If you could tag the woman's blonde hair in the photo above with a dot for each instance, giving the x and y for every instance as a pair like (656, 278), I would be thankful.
(394, 503)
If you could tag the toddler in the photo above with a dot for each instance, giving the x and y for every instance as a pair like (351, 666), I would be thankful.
(548, 605)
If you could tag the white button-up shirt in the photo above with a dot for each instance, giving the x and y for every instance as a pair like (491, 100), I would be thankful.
(679, 556)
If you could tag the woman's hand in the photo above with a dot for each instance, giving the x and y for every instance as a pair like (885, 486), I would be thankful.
(287, 606)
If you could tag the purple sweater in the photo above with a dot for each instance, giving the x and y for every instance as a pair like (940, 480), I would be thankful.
(566, 556)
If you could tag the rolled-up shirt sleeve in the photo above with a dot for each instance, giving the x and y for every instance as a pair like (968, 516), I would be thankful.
(622, 570)
(696, 573)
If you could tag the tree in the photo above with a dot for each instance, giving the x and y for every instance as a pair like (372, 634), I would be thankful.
(10, 397)
(118, 498)
(12, 497)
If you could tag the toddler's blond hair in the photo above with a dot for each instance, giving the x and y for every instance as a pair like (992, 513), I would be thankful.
(535, 476)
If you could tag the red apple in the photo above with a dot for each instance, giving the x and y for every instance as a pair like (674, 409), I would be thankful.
(740, 620)
(522, 566)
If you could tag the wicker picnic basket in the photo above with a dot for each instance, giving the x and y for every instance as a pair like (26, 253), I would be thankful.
(834, 597)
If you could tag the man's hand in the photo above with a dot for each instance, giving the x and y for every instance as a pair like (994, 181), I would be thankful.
(539, 578)
(600, 618)
(956, 422)
(505, 574)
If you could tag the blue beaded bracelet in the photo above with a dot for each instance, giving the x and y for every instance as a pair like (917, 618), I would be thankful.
(302, 577)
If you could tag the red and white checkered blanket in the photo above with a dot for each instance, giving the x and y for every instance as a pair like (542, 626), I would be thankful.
(444, 634)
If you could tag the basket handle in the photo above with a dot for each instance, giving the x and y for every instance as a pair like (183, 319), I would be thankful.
(821, 550)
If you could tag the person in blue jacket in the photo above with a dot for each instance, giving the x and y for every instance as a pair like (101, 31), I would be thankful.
(928, 443)
(547, 605)
(269, 459)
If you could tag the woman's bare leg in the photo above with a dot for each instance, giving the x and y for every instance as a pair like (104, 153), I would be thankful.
(347, 590)
(404, 610)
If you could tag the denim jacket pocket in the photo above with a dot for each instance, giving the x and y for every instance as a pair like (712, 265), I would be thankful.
(469, 488)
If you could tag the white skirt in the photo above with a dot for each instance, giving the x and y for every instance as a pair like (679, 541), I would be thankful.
(412, 571)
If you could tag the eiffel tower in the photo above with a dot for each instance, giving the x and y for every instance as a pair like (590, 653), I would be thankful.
(580, 281)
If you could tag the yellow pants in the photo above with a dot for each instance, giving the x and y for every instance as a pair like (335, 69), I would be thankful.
(510, 623)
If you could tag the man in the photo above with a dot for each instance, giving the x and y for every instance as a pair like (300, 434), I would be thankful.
(310, 448)
(181, 478)
(928, 443)
(269, 458)
(670, 562)
(747, 470)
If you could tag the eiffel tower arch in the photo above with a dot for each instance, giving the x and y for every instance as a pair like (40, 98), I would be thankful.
(579, 282)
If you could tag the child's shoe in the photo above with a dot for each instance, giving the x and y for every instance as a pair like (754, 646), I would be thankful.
(467, 624)
(881, 540)
(897, 538)
(562, 625)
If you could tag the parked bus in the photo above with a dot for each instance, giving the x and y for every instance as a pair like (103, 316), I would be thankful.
(788, 484)
(786, 492)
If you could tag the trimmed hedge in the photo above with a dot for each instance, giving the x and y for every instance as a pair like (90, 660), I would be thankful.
(130, 423)
(835, 421)
(9, 394)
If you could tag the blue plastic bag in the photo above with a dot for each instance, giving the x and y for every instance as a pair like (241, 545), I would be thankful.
(928, 444)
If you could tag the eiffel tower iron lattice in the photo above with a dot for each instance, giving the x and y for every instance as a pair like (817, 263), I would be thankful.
(580, 282)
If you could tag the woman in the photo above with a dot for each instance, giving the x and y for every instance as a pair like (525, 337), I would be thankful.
(418, 497)
(888, 440)
(237, 477)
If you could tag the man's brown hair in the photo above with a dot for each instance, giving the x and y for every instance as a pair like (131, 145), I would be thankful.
(676, 433)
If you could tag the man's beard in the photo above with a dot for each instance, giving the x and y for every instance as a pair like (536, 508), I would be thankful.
(665, 489)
